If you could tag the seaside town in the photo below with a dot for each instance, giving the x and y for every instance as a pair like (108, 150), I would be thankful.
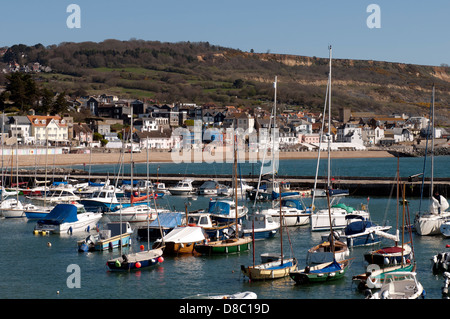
(153, 126)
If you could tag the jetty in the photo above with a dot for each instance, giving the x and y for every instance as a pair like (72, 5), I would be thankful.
(357, 186)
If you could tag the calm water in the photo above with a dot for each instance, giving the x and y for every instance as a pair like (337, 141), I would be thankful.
(32, 269)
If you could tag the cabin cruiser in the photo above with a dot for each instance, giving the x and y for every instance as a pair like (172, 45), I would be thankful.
(183, 187)
(67, 219)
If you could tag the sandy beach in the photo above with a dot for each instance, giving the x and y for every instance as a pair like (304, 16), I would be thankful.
(164, 157)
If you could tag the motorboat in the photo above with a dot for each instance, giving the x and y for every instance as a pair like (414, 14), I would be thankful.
(320, 220)
(400, 285)
(224, 210)
(292, 212)
(12, 208)
(57, 195)
(210, 188)
(67, 219)
(135, 215)
(260, 226)
(183, 187)
(113, 236)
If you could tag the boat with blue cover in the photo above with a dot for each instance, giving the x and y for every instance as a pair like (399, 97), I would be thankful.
(333, 270)
(68, 218)
(359, 232)
(224, 211)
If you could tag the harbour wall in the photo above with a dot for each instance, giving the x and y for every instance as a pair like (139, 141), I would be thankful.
(357, 186)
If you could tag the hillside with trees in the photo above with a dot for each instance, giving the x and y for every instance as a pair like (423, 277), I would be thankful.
(203, 73)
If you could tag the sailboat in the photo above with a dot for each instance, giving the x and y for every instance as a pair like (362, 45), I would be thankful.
(319, 219)
(429, 223)
(396, 258)
(274, 269)
(270, 189)
(143, 259)
(13, 207)
(229, 245)
(325, 271)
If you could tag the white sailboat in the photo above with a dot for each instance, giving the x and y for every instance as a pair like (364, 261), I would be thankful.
(429, 222)
(320, 218)
(13, 207)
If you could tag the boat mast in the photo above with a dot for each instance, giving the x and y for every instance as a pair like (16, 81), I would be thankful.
(273, 136)
(131, 156)
(281, 230)
(331, 226)
(432, 144)
(235, 186)
(329, 124)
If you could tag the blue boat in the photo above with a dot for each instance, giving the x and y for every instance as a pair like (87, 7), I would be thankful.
(224, 211)
(359, 232)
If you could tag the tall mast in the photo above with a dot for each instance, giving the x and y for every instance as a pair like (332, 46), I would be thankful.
(273, 136)
(329, 124)
(131, 155)
(432, 144)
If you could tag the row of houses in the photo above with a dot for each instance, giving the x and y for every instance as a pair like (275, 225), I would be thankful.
(155, 124)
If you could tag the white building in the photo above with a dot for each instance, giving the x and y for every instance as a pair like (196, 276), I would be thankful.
(48, 128)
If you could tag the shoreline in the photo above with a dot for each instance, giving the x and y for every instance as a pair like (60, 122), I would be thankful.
(166, 157)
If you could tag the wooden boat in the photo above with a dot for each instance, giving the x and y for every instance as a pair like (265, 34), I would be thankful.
(400, 285)
(275, 269)
(181, 240)
(324, 252)
(320, 273)
(226, 246)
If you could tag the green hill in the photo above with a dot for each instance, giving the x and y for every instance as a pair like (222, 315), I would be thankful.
(204, 73)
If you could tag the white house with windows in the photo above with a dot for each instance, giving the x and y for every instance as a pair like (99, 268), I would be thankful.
(53, 129)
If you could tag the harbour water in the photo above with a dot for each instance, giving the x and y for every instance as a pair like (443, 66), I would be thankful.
(39, 267)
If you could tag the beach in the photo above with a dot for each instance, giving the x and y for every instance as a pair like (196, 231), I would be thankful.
(165, 157)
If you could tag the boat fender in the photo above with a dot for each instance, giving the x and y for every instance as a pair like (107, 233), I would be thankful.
(110, 245)
(69, 231)
(335, 236)
(125, 259)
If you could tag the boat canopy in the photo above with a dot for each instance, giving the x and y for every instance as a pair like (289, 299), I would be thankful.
(167, 220)
(62, 213)
(292, 203)
(333, 266)
(348, 209)
(219, 207)
(185, 235)
(357, 227)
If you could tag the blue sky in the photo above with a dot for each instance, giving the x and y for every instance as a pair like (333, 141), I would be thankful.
(411, 31)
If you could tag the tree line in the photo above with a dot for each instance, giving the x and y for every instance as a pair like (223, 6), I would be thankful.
(22, 94)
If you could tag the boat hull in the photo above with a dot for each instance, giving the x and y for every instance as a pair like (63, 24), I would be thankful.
(228, 246)
(316, 275)
(270, 270)
(320, 221)
(136, 261)
(107, 244)
(429, 225)
(86, 222)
